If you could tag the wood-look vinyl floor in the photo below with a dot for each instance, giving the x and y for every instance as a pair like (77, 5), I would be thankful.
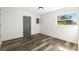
(37, 42)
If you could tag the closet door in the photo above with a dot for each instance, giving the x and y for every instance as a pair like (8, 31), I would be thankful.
(26, 26)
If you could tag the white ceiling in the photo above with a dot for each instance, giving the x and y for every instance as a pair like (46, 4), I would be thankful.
(38, 11)
(35, 10)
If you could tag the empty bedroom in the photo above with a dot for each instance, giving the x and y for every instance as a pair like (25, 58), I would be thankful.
(39, 28)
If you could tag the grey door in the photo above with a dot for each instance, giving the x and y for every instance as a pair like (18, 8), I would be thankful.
(26, 26)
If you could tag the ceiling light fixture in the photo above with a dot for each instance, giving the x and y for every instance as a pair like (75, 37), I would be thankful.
(41, 8)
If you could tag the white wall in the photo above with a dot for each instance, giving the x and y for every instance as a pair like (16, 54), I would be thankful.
(0, 28)
(12, 23)
(66, 32)
(78, 32)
